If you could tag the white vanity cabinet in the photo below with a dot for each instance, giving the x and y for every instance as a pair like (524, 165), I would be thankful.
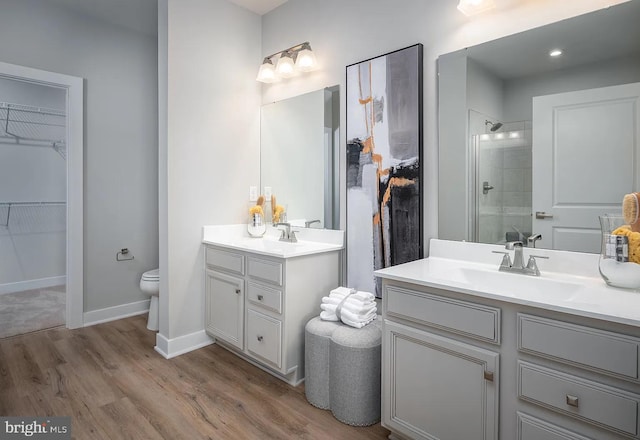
(257, 305)
(436, 386)
(459, 366)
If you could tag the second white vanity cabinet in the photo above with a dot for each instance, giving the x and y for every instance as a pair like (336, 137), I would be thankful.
(436, 386)
(257, 305)
(458, 365)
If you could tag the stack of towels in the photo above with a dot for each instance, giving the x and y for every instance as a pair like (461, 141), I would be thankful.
(352, 307)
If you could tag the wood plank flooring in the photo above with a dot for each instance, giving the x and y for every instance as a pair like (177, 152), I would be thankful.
(113, 384)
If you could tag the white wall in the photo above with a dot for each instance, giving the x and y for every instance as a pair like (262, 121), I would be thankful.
(120, 172)
(212, 149)
(345, 32)
(519, 92)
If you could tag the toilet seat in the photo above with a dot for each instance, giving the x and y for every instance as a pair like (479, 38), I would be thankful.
(151, 275)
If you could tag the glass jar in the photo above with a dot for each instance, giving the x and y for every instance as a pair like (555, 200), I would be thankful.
(256, 226)
(620, 253)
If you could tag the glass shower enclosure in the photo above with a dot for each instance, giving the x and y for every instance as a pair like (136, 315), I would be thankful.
(500, 182)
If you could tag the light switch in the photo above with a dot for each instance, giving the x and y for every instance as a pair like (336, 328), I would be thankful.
(253, 193)
(267, 192)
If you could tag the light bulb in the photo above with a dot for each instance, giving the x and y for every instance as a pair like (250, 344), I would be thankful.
(472, 7)
(306, 59)
(267, 72)
(285, 66)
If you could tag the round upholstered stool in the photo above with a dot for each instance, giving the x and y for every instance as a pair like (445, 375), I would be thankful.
(317, 338)
(355, 365)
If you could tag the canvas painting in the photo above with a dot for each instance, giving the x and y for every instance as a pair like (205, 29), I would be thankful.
(384, 174)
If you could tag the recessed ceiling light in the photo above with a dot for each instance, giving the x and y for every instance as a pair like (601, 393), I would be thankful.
(555, 52)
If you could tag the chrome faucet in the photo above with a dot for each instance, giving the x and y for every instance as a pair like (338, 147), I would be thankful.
(531, 241)
(308, 223)
(287, 233)
(518, 262)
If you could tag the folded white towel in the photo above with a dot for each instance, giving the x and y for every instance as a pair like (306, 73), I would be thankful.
(329, 314)
(354, 305)
(358, 324)
(341, 292)
(350, 307)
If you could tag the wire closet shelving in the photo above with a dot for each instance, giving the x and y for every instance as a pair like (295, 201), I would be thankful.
(33, 127)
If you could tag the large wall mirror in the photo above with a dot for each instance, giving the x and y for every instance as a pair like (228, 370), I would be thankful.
(299, 157)
(531, 143)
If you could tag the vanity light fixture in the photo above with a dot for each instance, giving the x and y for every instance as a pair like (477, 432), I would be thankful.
(298, 58)
(473, 7)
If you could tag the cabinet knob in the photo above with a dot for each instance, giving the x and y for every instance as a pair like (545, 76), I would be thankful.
(572, 400)
(260, 297)
(488, 375)
(260, 338)
(238, 291)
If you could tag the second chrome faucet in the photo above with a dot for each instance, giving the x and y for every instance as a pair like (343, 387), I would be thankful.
(517, 266)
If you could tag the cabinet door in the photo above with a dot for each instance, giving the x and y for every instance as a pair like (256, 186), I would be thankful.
(438, 388)
(225, 307)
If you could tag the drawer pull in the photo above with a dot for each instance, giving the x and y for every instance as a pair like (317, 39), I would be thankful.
(260, 297)
(488, 375)
(572, 400)
(238, 291)
(260, 340)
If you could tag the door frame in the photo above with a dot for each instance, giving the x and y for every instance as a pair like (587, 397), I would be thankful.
(75, 175)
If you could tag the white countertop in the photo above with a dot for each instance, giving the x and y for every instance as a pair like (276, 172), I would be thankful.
(577, 288)
(310, 240)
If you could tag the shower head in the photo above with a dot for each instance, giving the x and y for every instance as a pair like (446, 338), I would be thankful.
(493, 127)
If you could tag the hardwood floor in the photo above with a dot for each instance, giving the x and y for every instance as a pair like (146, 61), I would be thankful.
(113, 384)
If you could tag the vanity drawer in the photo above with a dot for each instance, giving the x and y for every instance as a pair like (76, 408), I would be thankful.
(264, 337)
(265, 270)
(532, 428)
(266, 297)
(227, 260)
(610, 408)
(469, 319)
(606, 352)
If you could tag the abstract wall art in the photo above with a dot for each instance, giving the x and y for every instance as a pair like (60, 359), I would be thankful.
(384, 171)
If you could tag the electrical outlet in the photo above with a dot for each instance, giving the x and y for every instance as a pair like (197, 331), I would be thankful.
(253, 193)
(267, 192)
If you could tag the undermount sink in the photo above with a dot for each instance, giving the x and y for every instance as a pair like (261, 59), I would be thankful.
(489, 279)
(517, 285)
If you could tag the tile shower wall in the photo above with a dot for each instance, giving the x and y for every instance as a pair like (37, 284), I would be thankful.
(505, 163)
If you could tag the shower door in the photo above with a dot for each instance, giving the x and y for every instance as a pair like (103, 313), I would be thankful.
(501, 202)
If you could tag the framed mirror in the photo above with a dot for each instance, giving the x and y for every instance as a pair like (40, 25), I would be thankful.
(531, 143)
(299, 157)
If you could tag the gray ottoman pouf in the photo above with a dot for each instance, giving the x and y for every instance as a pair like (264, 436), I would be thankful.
(317, 338)
(355, 368)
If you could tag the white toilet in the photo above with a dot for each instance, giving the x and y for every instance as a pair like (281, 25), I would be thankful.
(150, 284)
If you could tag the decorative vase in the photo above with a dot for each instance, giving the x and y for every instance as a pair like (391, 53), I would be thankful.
(617, 253)
(256, 226)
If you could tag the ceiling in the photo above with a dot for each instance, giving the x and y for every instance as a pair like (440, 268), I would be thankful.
(259, 6)
(142, 15)
(138, 15)
(604, 34)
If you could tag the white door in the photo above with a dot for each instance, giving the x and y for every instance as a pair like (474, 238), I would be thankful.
(585, 159)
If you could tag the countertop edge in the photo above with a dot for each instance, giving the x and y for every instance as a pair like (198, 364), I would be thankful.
(328, 248)
(577, 311)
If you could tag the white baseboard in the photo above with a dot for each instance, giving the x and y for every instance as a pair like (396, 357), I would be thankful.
(117, 312)
(170, 348)
(40, 283)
